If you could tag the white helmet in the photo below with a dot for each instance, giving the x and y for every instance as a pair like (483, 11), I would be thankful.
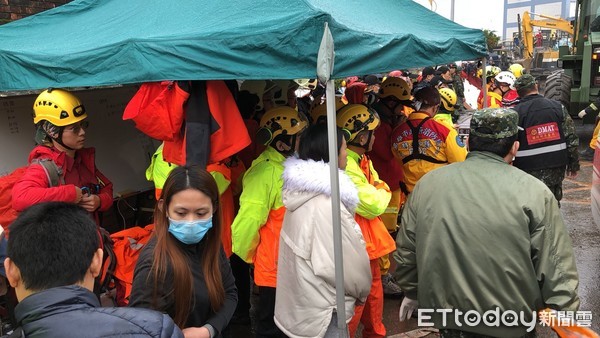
(506, 77)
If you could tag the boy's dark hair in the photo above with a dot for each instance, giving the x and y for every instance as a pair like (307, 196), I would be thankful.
(500, 147)
(52, 244)
(314, 143)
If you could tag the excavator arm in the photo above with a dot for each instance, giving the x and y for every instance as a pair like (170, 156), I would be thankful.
(527, 25)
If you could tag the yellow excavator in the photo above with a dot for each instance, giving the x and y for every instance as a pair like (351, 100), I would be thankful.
(526, 25)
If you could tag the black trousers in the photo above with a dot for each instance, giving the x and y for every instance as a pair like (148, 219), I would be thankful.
(266, 327)
(241, 272)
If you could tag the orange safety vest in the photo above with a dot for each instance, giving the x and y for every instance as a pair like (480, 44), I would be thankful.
(378, 239)
(267, 252)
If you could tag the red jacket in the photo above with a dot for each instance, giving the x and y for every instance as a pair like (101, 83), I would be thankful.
(34, 187)
(389, 170)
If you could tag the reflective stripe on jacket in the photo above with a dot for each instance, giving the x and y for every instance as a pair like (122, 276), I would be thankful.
(542, 142)
(374, 196)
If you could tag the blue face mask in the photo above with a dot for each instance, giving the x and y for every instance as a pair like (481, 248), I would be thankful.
(190, 232)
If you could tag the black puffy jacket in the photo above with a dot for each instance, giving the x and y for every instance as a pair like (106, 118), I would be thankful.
(73, 311)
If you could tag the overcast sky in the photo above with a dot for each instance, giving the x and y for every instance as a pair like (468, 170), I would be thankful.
(479, 14)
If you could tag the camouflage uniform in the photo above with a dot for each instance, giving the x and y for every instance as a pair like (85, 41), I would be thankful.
(459, 88)
(553, 177)
(494, 123)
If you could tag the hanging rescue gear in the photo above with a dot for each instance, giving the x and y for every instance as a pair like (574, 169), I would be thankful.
(157, 109)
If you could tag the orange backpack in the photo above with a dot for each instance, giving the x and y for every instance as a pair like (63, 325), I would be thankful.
(127, 245)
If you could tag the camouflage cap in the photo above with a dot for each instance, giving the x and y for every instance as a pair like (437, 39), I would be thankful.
(524, 81)
(495, 123)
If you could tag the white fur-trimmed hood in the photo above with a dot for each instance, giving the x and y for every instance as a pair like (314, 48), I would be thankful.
(303, 180)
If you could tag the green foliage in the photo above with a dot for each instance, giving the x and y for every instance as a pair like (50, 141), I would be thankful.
(491, 39)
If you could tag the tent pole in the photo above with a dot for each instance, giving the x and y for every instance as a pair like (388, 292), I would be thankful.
(483, 81)
(335, 210)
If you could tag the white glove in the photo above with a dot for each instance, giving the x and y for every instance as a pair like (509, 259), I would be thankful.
(582, 114)
(407, 308)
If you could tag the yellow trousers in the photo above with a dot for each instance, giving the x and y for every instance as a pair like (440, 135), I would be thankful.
(595, 136)
(390, 219)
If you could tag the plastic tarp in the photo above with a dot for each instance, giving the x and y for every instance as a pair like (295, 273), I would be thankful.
(108, 42)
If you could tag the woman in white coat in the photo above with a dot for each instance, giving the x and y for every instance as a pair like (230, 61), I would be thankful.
(305, 302)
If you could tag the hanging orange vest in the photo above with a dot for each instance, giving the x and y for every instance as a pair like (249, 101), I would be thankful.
(230, 136)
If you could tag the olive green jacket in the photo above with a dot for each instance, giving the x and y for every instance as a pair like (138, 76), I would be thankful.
(482, 234)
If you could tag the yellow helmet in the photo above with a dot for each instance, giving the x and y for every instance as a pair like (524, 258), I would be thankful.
(58, 107)
(356, 118)
(281, 120)
(318, 113)
(516, 69)
(396, 87)
(307, 83)
(280, 92)
(448, 98)
(490, 71)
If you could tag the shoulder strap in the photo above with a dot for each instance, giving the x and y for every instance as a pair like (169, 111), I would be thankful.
(416, 154)
(53, 172)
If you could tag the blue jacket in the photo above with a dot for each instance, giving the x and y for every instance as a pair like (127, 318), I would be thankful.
(73, 311)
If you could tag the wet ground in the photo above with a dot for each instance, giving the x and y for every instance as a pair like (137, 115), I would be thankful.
(585, 236)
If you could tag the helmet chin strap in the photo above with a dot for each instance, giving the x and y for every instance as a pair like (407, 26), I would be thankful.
(59, 140)
(364, 146)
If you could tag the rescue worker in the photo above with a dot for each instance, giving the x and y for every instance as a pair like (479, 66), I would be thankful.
(490, 74)
(426, 75)
(496, 241)
(60, 120)
(393, 107)
(458, 87)
(423, 144)
(449, 104)
(374, 196)
(505, 86)
(588, 153)
(255, 229)
(517, 70)
(548, 142)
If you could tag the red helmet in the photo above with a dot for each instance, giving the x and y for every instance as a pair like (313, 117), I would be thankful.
(396, 73)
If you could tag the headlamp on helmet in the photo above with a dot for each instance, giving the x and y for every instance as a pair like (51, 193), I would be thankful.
(356, 118)
(280, 121)
(58, 107)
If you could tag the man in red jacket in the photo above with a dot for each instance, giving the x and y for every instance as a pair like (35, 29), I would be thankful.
(60, 134)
